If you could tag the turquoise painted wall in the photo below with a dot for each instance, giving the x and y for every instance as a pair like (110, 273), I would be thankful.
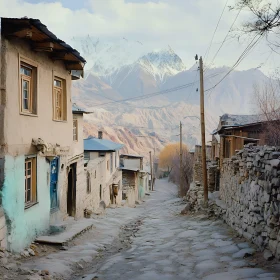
(25, 225)
(141, 190)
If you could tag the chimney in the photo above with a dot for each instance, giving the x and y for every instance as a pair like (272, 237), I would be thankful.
(100, 134)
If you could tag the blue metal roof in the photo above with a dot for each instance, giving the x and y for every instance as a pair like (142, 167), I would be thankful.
(96, 144)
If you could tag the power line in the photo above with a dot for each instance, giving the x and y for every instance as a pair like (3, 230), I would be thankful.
(141, 97)
(251, 45)
(226, 36)
(208, 49)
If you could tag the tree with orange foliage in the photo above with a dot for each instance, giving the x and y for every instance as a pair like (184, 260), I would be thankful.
(169, 158)
(168, 154)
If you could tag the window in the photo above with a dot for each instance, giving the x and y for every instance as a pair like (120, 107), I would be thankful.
(28, 89)
(86, 156)
(88, 183)
(108, 165)
(115, 159)
(30, 181)
(100, 192)
(227, 148)
(111, 162)
(59, 100)
(75, 130)
(95, 174)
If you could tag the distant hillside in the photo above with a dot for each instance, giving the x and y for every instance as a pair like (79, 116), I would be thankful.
(117, 75)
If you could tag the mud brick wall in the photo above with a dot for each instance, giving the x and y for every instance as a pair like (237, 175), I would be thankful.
(250, 189)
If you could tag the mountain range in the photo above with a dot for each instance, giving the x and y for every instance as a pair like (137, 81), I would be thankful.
(123, 93)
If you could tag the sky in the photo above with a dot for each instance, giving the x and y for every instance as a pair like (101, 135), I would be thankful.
(185, 25)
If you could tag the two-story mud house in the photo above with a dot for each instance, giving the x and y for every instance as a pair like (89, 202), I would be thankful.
(40, 161)
(103, 175)
(135, 178)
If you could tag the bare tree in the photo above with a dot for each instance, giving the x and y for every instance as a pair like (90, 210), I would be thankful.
(264, 20)
(174, 175)
(267, 99)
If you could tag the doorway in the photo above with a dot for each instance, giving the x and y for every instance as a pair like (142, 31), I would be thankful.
(53, 184)
(71, 192)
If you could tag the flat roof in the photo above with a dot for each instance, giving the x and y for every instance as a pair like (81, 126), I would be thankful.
(132, 156)
(101, 145)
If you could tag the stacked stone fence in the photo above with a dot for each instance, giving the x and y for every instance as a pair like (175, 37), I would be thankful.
(250, 195)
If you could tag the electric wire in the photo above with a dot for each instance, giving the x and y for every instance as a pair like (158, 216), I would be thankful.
(209, 47)
(142, 97)
(245, 53)
(237, 15)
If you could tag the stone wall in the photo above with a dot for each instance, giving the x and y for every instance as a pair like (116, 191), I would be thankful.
(250, 191)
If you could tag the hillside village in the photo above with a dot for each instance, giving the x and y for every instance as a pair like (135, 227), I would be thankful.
(77, 201)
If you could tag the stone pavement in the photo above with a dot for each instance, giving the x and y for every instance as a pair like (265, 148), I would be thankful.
(170, 246)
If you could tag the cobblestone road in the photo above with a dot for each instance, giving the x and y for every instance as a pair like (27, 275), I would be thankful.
(170, 246)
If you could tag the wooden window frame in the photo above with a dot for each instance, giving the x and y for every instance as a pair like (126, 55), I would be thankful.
(88, 183)
(63, 105)
(88, 156)
(33, 87)
(33, 177)
(111, 163)
(75, 130)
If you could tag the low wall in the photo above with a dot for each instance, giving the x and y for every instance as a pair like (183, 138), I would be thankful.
(250, 193)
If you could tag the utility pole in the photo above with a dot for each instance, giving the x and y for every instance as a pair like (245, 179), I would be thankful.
(181, 162)
(202, 125)
(151, 168)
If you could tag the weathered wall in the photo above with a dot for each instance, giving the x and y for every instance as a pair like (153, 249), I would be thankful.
(132, 163)
(3, 229)
(81, 188)
(24, 224)
(250, 189)
(96, 172)
(129, 186)
(20, 129)
(101, 176)
(78, 146)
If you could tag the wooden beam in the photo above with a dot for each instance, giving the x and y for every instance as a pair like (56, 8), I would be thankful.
(24, 33)
(72, 65)
(42, 46)
(58, 55)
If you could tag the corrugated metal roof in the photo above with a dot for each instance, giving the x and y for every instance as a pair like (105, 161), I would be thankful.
(104, 145)
(237, 120)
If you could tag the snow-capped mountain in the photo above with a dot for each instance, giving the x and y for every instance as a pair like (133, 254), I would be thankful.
(116, 74)
(162, 64)
(104, 58)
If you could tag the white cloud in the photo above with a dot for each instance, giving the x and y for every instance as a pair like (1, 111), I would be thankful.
(185, 25)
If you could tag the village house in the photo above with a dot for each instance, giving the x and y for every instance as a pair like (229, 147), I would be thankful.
(232, 133)
(235, 131)
(40, 158)
(103, 175)
(135, 178)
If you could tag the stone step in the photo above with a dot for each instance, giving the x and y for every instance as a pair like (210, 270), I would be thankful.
(73, 230)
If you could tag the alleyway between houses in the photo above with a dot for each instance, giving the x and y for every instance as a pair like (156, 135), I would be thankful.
(157, 243)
